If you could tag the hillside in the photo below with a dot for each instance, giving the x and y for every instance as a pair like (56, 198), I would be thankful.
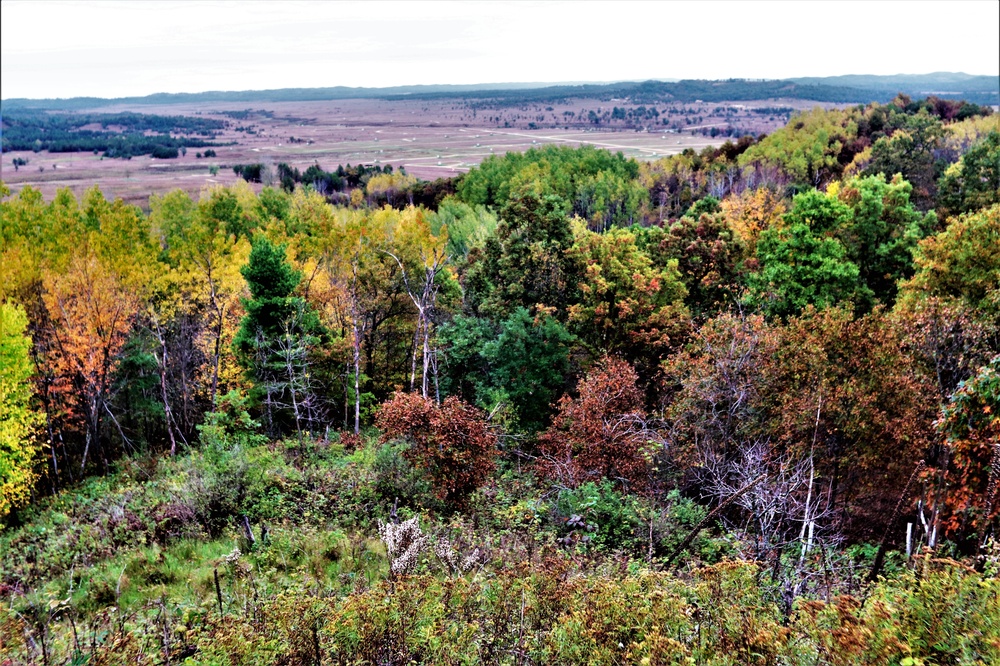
(919, 85)
(733, 405)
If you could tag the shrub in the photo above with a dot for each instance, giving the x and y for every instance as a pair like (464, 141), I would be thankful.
(164, 152)
(597, 515)
(394, 478)
(450, 442)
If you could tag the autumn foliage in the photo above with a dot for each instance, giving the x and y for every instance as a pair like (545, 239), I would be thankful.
(970, 425)
(778, 371)
(92, 313)
(601, 433)
(847, 390)
(450, 442)
(18, 444)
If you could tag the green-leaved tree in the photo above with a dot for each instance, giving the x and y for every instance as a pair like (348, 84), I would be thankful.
(18, 421)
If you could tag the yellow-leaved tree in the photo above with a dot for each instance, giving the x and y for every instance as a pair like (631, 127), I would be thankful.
(18, 421)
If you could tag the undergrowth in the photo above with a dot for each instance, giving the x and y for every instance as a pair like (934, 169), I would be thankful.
(254, 552)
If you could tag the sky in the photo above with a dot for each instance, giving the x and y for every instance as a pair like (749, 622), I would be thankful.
(52, 48)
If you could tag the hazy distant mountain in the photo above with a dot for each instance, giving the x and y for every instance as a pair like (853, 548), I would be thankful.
(277, 95)
(954, 83)
(646, 92)
(840, 89)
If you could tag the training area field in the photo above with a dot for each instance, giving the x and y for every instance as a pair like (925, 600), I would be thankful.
(429, 138)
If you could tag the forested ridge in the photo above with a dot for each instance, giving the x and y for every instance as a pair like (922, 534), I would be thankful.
(851, 89)
(739, 406)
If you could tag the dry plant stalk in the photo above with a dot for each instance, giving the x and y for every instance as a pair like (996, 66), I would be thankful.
(403, 544)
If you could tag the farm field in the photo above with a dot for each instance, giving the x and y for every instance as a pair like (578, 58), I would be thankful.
(430, 139)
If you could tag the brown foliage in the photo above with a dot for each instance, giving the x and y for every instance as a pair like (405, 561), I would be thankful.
(717, 386)
(600, 434)
(843, 391)
(451, 442)
(970, 426)
(947, 339)
(849, 386)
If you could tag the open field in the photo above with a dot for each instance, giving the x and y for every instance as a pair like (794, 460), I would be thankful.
(430, 139)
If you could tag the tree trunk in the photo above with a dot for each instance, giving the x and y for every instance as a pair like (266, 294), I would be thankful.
(357, 383)
(162, 363)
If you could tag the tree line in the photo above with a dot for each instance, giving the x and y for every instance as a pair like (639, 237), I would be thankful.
(66, 133)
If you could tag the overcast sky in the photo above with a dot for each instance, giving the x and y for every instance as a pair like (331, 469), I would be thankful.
(115, 49)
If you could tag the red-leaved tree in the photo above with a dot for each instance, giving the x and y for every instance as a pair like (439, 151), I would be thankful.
(600, 434)
(450, 442)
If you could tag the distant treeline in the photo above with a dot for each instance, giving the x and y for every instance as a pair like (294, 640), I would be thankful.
(247, 113)
(925, 83)
(978, 89)
(322, 181)
(659, 92)
(376, 185)
(653, 92)
(121, 134)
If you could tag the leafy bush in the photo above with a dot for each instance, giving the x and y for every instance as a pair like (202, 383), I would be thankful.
(601, 434)
(596, 514)
(450, 442)
(164, 152)
(395, 478)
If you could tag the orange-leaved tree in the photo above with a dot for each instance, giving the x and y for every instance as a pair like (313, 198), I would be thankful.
(91, 313)
(600, 434)
(450, 442)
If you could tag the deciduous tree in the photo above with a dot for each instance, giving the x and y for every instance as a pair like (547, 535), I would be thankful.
(961, 263)
(799, 268)
(627, 304)
(602, 433)
(970, 425)
(19, 447)
(91, 312)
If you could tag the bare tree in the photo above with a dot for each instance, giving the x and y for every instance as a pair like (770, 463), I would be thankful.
(283, 367)
(293, 384)
(785, 515)
(424, 298)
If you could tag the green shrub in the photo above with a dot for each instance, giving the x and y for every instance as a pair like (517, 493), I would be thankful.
(394, 477)
(597, 515)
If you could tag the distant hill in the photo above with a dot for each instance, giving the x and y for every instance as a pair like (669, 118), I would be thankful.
(642, 92)
(936, 83)
(848, 89)
(651, 92)
(273, 95)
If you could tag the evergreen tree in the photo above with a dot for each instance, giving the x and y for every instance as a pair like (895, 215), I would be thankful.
(277, 337)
